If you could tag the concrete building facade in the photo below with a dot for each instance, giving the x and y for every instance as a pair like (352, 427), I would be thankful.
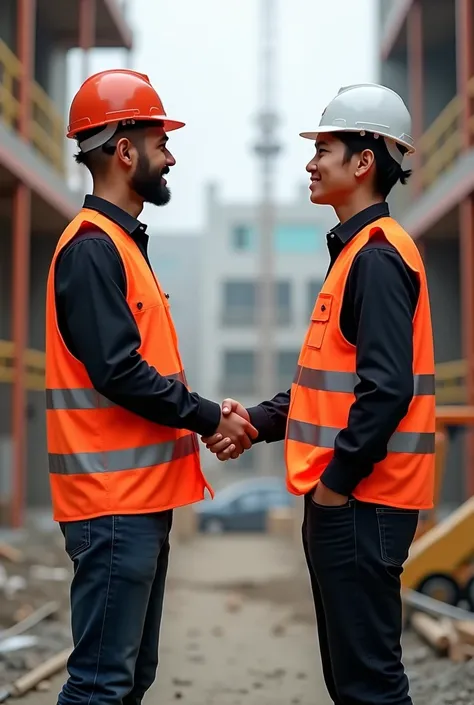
(229, 262)
(174, 258)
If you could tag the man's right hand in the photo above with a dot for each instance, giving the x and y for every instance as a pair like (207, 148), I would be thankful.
(222, 443)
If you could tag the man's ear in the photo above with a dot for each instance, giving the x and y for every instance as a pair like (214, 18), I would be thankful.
(125, 151)
(365, 162)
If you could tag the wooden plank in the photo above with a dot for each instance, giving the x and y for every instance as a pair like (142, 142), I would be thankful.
(10, 554)
(431, 630)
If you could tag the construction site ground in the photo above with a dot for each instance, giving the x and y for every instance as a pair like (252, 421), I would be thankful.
(238, 626)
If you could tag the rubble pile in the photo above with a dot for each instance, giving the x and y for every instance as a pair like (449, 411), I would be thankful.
(34, 622)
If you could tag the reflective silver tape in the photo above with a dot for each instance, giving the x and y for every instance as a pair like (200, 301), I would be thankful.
(87, 398)
(118, 460)
(345, 382)
(424, 385)
(325, 437)
(76, 399)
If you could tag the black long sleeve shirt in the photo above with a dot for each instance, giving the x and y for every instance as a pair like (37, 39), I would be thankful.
(98, 328)
(377, 317)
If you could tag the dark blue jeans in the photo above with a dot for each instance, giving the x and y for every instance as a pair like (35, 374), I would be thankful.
(120, 567)
(355, 555)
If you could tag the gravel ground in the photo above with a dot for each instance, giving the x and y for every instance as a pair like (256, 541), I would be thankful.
(238, 626)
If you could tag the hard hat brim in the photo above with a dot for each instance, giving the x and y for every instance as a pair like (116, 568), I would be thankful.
(337, 128)
(168, 124)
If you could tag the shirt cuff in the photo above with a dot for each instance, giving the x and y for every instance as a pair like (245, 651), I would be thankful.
(341, 477)
(261, 421)
(207, 419)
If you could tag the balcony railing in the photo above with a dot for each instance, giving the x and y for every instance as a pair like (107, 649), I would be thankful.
(46, 126)
(440, 145)
(35, 362)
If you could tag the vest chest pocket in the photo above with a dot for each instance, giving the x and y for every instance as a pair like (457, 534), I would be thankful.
(319, 320)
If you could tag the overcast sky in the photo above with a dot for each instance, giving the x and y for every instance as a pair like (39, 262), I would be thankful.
(203, 58)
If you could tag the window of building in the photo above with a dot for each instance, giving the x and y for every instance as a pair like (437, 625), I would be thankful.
(290, 238)
(313, 288)
(242, 238)
(287, 361)
(239, 372)
(299, 238)
(239, 304)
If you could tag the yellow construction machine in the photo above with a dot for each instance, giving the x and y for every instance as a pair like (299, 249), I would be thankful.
(441, 564)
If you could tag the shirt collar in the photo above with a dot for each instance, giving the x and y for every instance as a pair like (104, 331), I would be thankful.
(124, 220)
(346, 231)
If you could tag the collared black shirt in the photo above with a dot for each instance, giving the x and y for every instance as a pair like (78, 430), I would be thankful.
(99, 329)
(377, 317)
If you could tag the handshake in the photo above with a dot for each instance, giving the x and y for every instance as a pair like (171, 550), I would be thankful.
(234, 433)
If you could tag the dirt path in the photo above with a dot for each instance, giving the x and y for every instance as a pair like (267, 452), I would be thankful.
(237, 628)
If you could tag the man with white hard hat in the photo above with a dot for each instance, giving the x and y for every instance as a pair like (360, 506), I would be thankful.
(359, 419)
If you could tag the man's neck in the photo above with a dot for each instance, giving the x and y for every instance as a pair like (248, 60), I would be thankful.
(129, 203)
(357, 204)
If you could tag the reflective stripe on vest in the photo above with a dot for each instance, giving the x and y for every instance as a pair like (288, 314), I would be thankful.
(325, 436)
(345, 382)
(74, 399)
(119, 460)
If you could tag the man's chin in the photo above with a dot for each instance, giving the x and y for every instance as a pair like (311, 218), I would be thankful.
(319, 199)
(161, 198)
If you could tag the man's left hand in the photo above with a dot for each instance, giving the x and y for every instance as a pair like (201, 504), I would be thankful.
(323, 495)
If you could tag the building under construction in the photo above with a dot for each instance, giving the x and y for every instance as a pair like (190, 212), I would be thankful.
(427, 55)
(35, 206)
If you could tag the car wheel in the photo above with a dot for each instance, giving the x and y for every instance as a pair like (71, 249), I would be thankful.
(441, 587)
(214, 526)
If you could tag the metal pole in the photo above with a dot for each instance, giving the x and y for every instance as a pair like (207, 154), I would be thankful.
(465, 70)
(21, 261)
(267, 149)
(87, 21)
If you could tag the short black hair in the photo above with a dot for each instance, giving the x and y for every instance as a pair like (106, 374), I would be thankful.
(96, 158)
(387, 171)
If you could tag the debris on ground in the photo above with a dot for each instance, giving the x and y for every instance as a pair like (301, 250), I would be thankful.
(34, 603)
(257, 633)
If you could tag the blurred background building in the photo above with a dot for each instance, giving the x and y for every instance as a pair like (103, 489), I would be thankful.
(205, 243)
(212, 279)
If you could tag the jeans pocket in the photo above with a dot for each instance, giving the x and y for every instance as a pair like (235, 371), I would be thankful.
(77, 537)
(397, 529)
(332, 507)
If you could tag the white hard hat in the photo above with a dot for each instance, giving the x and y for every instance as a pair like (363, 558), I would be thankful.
(369, 107)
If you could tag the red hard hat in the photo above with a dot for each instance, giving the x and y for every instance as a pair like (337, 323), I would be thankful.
(115, 96)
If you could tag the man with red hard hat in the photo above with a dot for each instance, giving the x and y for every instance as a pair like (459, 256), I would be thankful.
(122, 424)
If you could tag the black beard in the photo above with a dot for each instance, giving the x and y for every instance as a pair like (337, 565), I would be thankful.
(147, 184)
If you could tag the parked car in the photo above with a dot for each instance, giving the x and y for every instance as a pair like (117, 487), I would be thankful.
(243, 506)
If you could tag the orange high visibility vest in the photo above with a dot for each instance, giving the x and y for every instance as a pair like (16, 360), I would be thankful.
(323, 392)
(104, 459)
